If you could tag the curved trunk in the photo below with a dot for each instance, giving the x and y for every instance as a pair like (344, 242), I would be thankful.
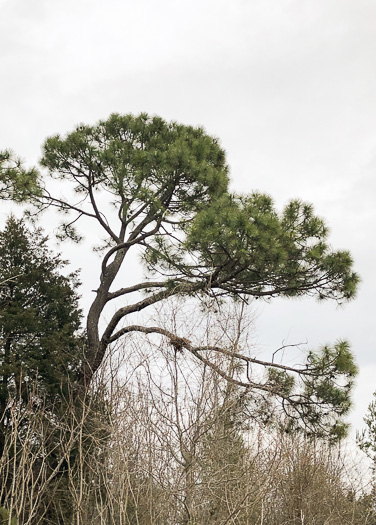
(96, 348)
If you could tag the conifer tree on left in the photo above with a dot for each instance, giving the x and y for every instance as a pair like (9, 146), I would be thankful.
(39, 321)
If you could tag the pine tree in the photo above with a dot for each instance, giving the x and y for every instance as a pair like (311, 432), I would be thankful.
(169, 187)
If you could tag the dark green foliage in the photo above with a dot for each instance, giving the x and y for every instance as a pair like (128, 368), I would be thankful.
(281, 381)
(318, 403)
(166, 168)
(4, 517)
(16, 183)
(40, 348)
(39, 316)
(251, 250)
(157, 172)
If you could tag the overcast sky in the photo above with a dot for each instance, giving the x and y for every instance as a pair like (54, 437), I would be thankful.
(288, 86)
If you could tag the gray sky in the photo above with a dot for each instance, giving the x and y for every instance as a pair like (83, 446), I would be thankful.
(288, 86)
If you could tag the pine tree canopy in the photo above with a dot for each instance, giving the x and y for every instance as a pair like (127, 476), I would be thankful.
(16, 183)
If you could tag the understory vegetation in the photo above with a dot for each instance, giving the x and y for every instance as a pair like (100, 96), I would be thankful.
(160, 439)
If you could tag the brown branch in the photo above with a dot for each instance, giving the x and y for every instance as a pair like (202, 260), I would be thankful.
(136, 288)
(183, 287)
(180, 342)
(126, 245)
(98, 213)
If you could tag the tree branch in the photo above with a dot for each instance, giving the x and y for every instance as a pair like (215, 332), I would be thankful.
(136, 288)
(180, 342)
